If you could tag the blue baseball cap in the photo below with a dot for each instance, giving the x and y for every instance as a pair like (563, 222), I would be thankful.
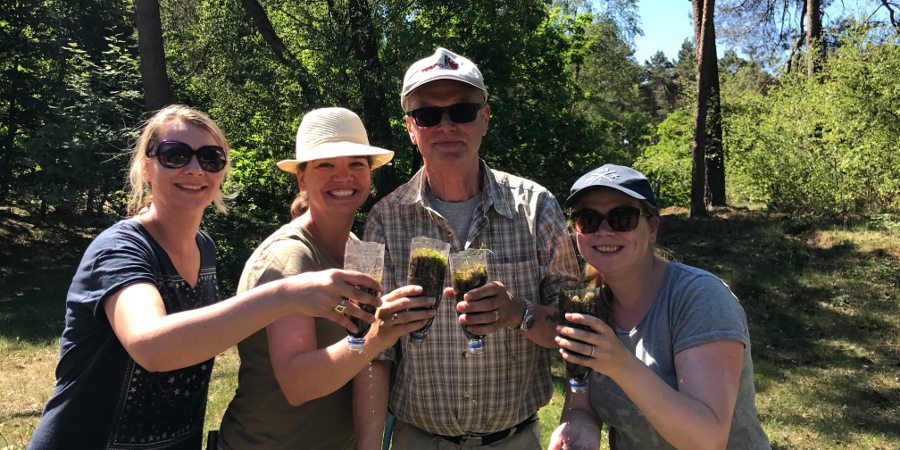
(621, 178)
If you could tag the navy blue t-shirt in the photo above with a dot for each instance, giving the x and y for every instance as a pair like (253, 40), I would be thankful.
(103, 399)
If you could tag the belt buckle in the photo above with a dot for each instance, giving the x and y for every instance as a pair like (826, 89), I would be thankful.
(470, 441)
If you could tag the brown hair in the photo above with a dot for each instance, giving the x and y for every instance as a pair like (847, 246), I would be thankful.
(301, 201)
(141, 192)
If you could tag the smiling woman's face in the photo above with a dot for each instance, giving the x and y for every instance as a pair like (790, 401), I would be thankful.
(614, 252)
(187, 188)
(336, 185)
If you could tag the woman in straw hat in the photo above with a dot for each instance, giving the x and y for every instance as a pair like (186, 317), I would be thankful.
(144, 320)
(294, 387)
(670, 349)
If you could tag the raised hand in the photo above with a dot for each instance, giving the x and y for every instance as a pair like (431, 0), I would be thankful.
(598, 349)
(489, 308)
(394, 319)
(316, 294)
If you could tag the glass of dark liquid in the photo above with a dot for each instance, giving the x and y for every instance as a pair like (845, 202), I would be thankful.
(427, 268)
(367, 258)
(575, 298)
(468, 270)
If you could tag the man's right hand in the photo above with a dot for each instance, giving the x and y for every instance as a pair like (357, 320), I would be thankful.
(575, 436)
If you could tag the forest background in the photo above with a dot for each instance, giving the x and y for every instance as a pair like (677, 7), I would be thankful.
(810, 136)
(566, 96)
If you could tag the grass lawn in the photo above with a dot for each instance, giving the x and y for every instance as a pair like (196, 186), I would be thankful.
(822, 297)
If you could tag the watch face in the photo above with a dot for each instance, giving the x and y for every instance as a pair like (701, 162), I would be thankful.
(529, 322)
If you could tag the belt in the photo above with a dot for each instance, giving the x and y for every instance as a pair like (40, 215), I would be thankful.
(488, 439)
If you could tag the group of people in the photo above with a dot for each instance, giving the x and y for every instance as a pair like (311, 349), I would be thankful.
(671, 361)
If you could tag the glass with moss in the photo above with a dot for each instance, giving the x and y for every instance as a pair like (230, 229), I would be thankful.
(427, 268)
(468, 270)
(581, 299)
(367, 258)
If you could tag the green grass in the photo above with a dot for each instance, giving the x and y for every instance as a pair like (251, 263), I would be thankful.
(822, 299)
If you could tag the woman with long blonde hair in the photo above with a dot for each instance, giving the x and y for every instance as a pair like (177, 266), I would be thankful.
(143, 316)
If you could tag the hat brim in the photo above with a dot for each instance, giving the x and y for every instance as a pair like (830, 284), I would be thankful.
(405, 97)
(573, 199)
(380, 156)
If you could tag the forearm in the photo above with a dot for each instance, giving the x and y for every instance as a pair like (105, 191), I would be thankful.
(179, 340)
(686, 423)
(313, 374)
(546, 318)
(370, 403)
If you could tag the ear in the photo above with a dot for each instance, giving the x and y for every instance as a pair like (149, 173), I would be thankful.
(145, 172)
(486, 113)
(409, 129)
(654, 228)
(300, 181)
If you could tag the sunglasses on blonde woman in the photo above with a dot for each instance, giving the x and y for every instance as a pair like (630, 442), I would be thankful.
(175, 155)
(621, 219)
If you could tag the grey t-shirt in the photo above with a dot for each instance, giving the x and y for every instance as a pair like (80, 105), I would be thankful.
(459, 214)
(692, 307)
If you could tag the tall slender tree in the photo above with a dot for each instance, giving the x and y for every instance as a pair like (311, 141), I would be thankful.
(703, 13)
(814, 49)
(157, 93)
(714, 150)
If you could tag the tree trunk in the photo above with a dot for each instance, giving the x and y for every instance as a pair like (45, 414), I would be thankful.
(814, 48)
(703, 13)
(715, 149)
(375, 107)
(157, 93)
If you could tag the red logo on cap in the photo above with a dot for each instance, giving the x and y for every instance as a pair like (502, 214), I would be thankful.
(448, 63)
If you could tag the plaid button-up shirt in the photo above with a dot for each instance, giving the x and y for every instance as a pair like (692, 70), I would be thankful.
(438, 386)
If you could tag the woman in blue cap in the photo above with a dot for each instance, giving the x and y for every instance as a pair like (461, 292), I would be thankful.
(671, 363)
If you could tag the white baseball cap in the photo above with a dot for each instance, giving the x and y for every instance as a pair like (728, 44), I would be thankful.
(333, 132)
(442, 65)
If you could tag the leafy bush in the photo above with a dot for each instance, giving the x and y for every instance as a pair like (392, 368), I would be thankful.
(667, 164)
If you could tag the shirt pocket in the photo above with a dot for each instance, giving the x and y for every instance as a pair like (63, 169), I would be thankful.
(521, 278)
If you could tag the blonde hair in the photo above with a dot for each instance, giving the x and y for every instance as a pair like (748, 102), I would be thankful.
(594, 278)
(141, 192)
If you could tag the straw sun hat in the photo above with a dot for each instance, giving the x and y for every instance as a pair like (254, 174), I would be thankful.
(333, 132)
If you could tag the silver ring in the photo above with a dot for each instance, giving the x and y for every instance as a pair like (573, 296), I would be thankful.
(341, 307)
(394, 318)
(496, 316)
(592, 352)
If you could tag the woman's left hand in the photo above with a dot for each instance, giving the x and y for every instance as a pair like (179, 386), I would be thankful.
(598, 349)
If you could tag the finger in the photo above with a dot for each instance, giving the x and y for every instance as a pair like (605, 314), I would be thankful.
(358, 279)
(415, 316)
(488, 290)
(405, 303)
(448, 292)
(575, 358)
(341, 320)
(405, 291)
(485, 318)
(359, 296)
(590, 337)
(356, 311)
(591, 321)
(572, 345)
(478, 305)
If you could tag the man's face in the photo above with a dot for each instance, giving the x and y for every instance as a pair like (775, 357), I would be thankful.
(447, 143)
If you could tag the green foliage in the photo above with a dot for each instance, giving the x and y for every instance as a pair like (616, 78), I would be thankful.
(826, 144)
(667, 164)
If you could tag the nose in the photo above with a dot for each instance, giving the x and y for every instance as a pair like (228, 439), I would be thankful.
(445, 121)
(604, 229)
(343, 173)
(193, 167)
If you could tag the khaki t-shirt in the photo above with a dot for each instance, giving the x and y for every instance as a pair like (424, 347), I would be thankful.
(259, 416)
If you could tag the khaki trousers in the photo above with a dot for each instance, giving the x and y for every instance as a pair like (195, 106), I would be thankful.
(408, 437)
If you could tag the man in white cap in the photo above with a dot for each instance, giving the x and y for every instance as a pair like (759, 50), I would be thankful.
(443, 395)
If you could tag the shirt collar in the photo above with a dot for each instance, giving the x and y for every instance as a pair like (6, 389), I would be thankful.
(415, 191)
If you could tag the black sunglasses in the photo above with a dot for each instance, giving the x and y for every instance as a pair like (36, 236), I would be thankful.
(175, 155)
(621, 219)
(429, 116)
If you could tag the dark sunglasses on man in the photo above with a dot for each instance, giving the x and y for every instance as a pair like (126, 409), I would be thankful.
(621, 219)
(429, 116)
(175, 155)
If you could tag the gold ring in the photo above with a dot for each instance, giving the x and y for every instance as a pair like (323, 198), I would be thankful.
(341, 307)
(592, 352)
(496, 315)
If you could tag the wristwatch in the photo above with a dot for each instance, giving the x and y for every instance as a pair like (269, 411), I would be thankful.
(528, 317)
